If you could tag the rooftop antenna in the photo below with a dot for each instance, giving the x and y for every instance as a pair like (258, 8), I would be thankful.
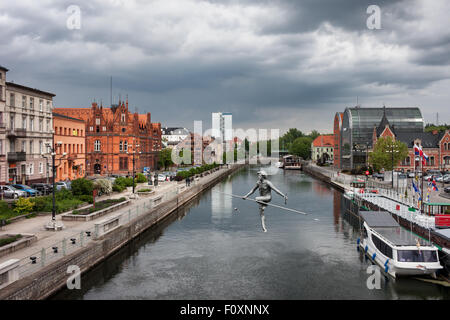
(110, 94)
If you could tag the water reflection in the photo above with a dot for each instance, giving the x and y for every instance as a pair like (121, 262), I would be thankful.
(206, 251)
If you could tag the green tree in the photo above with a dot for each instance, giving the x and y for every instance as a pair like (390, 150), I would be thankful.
(381, 156)
(165, 158)
(301, 147)
(82, 187)
(314, 134)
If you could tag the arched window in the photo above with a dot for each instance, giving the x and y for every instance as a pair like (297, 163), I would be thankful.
(121, 146)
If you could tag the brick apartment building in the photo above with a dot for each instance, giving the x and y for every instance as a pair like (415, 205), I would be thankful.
(113, 135)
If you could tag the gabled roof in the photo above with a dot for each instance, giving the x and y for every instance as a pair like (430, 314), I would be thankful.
(383, 123)
(324, 141)
(428, 139)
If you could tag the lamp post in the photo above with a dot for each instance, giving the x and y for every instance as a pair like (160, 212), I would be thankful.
(135, 146)
(53, 225)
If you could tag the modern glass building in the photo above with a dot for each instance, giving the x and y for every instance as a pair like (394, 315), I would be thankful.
(358, 126)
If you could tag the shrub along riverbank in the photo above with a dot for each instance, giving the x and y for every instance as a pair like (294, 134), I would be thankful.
(198, 170)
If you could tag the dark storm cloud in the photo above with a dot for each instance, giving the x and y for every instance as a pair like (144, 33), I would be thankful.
(183, 60)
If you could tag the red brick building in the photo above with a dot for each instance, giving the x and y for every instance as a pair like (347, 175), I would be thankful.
(436, 146)
(337, 138)
(113, 135)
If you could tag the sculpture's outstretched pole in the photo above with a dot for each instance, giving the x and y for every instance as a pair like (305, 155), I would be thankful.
(264, 203)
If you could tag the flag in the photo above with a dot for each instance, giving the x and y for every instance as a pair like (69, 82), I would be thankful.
(415, 187)
(435, 188)
(417, 150)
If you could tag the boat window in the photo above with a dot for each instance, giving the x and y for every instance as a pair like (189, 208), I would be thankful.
(382, 246)
(417, 256)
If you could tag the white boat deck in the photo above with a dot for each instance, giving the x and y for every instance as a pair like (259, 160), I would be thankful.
(389, 201)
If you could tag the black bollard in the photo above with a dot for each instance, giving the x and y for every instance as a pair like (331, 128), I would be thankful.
(55, 249)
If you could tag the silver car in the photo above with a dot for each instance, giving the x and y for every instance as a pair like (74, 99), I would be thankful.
(11, 192)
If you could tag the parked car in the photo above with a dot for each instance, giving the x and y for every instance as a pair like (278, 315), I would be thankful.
(447, 189)
(44, 188)
(11, 192)
(30, 191)
(402, 176)
(379, 176)
(62, 185)
(161, 177)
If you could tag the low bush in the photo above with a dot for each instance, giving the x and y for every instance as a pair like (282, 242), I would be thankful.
(5, 211)
(23, 206)
(122, 183)
(144, 190)
(5, 241)
(86, 198)
(141, 178)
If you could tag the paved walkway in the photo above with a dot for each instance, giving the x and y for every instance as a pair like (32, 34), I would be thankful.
(47, 239)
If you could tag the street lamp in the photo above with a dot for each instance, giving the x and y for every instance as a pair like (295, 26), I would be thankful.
(134, 151)
(53, 225)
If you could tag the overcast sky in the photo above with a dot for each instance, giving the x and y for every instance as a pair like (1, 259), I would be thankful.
(273, 64)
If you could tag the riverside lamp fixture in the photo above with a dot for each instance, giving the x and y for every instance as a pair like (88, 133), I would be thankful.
(53, 224)
(134, 152)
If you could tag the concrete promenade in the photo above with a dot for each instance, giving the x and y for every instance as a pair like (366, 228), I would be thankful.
(88, 250)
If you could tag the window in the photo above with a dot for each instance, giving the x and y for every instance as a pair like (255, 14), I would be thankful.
(432, 161)
(41, 105)
(382, 246)
(12, 100)
(120, 145)
(417, 256)
(40, 147)
(49, 109)
(23, 146)
(24, 122)
(97, 145)
(125, 146)
(123, 118)
(31, 124)
(123, 163)
(31, 146)
(91, 128)
(41, 167)
(31, 103)
(48, 125)
(41, 125)
(104, 128)
(1, 146)
(24, 102)
(97, 121)
(31, 169)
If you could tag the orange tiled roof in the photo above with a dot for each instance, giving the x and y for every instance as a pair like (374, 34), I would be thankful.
(324, 141)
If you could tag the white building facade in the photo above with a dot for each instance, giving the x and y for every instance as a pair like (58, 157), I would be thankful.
(170, 137)
(222, 126)
(25, 129)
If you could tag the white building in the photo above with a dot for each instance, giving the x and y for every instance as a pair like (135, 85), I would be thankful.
(170, 137)
(25, 129)
(222, 126)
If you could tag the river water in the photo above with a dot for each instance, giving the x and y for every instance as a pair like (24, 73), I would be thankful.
(209, 250)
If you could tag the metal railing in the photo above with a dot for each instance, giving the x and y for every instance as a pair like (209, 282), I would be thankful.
(47, 255)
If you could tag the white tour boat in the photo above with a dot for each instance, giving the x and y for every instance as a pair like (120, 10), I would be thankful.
(396, 250)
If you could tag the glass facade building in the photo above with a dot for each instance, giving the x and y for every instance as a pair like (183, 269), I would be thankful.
(358, 125)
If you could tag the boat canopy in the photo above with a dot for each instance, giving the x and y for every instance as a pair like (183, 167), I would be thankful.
(384, 224)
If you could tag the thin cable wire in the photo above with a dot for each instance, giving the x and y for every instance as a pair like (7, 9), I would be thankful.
(264, 203)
